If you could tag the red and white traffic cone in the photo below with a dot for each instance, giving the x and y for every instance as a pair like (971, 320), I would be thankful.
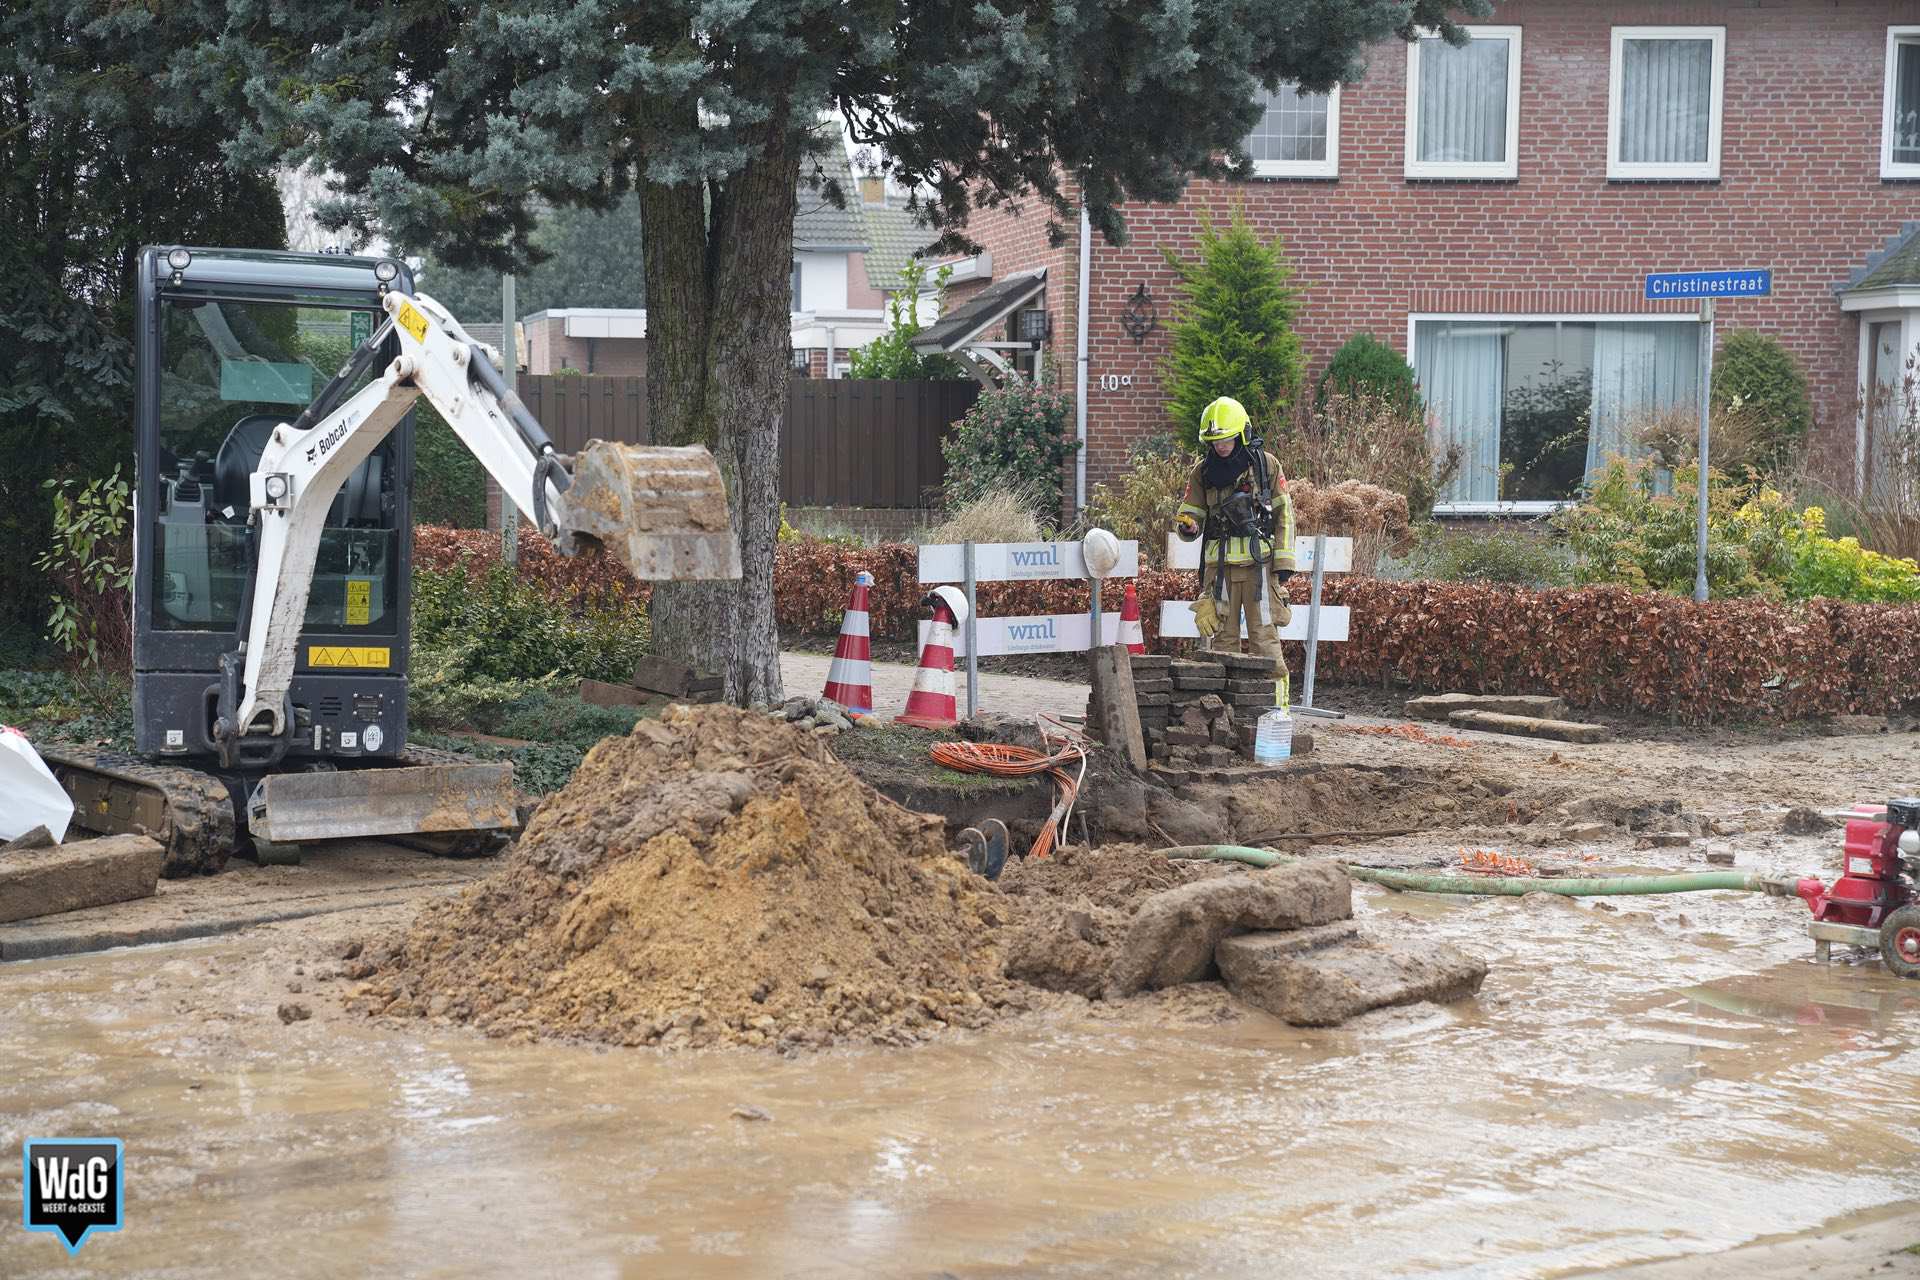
(850, 679)
(1131, 634)
(931, 705)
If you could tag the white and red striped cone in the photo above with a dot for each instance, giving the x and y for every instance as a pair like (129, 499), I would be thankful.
(1131, 634)
(850, 679)
(931, 704)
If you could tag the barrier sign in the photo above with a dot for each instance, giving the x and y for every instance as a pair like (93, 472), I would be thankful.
(1042, 633)
(1186, 555)
(1176, 622)
(1018, 562)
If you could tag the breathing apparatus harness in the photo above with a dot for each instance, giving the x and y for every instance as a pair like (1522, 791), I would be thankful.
(1246, 515)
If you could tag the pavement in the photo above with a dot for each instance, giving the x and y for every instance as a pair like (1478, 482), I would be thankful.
(1022, 696)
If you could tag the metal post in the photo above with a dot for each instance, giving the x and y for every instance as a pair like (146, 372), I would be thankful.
(1096, 639)
(973, 634)
(1700, 510)
(1313, 615)
(509, 513)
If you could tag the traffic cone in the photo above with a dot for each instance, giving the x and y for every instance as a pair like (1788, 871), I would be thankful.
(1130, 633)
(931, 705)
(850, 679)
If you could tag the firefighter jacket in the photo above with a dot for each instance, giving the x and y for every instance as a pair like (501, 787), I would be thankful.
(1218, 542)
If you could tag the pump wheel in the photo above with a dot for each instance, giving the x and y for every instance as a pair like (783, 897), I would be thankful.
(1900, 942)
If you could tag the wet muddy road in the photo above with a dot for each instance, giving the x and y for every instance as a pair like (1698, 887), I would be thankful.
(1670, 1077)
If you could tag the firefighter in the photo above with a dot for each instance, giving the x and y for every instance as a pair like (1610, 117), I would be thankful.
(1237, 505)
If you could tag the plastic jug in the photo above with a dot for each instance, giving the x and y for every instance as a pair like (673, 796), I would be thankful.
(1273, 737)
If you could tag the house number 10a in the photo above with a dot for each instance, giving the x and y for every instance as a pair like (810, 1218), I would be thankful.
(1115, 381)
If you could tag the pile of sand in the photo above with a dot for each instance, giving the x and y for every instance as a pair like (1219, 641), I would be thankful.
(713, 878)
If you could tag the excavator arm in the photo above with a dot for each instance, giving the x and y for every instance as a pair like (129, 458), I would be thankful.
(662, 512)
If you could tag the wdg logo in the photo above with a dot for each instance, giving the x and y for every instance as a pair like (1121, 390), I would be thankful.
(71, 1186)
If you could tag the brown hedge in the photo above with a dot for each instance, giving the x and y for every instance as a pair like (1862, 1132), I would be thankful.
(1597, 647)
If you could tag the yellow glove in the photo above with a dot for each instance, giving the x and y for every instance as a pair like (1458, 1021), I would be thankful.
(1188, 527)
(1206, 618)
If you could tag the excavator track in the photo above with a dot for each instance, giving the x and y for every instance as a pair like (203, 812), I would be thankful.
(191, 813)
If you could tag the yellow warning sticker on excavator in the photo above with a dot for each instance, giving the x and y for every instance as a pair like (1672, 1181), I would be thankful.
(359, 601)
(340, 655)
(412, 321)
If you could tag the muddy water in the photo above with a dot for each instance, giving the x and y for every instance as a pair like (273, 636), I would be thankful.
(1668, 1078)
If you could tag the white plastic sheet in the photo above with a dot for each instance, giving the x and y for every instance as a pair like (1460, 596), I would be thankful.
(30, 796)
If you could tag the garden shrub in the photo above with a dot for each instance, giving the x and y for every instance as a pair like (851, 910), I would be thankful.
(1142, 504)
(1755, 372)
(495, 624)
(1366, 365)
(1015, 437)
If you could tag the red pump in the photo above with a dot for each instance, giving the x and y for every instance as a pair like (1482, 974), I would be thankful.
(1874, 903)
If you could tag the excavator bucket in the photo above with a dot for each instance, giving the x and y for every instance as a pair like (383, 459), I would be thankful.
(662, 512)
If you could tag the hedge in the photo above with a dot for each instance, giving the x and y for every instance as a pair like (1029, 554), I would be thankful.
(1600, 647)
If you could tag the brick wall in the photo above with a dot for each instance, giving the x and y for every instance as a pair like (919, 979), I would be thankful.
(1371, 247)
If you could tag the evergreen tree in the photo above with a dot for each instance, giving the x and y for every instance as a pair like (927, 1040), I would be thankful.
(450, 123)
(1232, 329)
(592, 260)
(89, 172)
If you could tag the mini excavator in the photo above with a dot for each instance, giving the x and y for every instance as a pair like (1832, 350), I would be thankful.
(273, 530)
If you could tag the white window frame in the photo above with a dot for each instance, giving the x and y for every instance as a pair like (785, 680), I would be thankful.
(1327, 168)
(1681, 171)
(1896, 36)
(1531, 506)
(1507, 168)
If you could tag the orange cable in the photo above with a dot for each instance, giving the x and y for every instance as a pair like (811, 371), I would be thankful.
(1004, 760)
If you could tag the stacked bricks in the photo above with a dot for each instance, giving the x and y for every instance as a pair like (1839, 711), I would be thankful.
(1201, 712)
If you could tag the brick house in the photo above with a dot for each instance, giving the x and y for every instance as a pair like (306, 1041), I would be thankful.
(1492, 211)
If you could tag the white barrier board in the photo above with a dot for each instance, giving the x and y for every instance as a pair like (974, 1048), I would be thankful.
(1186, 555)
(1176, 622)
(1043, 633)
(1018, 562)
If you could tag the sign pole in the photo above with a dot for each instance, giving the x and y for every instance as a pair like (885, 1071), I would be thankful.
(509, 514)
(1313, 616)
(973, 635)
(1700, 508)
(1094, 637)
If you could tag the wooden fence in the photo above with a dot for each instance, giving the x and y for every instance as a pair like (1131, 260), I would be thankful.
(844, 442)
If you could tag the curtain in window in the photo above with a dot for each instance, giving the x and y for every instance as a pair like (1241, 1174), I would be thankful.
(1906, 103)
(1666, 101)
(1639, 370)
(1463, 101)
(1293, 128)
(1460, 370)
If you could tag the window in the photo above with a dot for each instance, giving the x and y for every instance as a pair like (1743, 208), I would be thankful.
(1463, 105)
(1900, 134)
(1298, 136)
(794, 305)
(1663, 102)
(1534, 404)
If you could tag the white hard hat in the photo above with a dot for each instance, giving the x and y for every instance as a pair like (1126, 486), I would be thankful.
(956, 600)
(1101, 551)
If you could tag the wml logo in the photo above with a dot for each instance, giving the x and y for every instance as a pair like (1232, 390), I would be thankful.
(1035, 560)
(71, 1187)
(1032, 637)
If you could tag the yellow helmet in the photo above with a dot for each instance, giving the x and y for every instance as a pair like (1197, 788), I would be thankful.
(1224, 419)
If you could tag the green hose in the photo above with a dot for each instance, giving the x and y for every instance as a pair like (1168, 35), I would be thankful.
(1509, 886)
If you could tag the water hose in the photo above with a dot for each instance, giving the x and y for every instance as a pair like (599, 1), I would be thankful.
(1509, 886)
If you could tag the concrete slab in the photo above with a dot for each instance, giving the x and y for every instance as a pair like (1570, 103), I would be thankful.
(82, 873)
(1315, 978)
(1531, 726)
(1439, 706)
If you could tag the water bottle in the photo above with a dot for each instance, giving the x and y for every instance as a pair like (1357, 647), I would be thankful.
(1273, 738)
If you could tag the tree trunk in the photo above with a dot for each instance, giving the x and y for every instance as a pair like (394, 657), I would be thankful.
(719, 266)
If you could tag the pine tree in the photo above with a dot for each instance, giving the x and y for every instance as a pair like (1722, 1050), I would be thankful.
(1232, 329)
(450, 124)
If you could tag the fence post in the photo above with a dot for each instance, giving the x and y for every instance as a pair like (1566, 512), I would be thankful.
(973, 634)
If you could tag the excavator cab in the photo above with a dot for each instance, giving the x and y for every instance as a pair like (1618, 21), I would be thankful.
(235, 344)
(276, 405)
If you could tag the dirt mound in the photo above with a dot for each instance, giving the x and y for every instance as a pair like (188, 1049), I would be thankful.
(712, 878)
(1071, 910)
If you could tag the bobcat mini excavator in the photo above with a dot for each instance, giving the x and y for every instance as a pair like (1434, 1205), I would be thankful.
(273, 546)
